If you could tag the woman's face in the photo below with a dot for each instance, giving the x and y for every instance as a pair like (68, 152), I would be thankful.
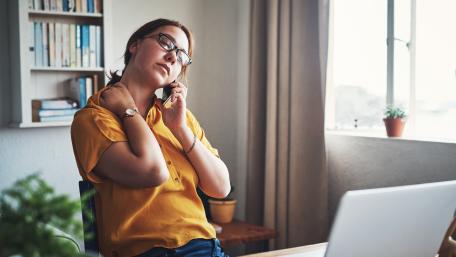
(156, 65)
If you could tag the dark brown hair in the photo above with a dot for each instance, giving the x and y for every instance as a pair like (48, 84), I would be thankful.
(145, 30)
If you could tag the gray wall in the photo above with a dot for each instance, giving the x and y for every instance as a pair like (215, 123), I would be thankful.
(364, 162)
(217, 90)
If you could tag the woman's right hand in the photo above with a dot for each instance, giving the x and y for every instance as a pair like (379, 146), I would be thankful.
(117, 99)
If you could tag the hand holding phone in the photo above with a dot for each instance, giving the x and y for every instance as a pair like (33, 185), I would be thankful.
(166, 96)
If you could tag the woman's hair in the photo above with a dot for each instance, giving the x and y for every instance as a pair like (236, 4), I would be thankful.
(145, 30)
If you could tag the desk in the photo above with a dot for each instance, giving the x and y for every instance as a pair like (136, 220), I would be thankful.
(289, 251)
(239, 232)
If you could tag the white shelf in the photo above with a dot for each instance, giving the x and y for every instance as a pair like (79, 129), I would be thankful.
(29, 82)
(41, 124)
(64, 14)
(89, 69)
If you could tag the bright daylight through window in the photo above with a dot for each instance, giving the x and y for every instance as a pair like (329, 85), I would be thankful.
(422, 69)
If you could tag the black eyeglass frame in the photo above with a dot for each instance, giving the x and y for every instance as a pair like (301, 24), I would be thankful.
(174, 47)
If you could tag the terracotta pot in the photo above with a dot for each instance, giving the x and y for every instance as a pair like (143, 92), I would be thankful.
(394, 127)
(222, 211)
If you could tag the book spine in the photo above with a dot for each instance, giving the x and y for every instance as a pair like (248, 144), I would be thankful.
(58, 45)
(66, 45)
(53, 5)
(57, 112)
(53, 104)
(85, 45)
(46, 5)
(38, 44)
(51, 44)
(92, 46)
(84, 6)
(56, 118)
(45, 38)
(78, 46)
(89, 87)
(82, 92)
(90, 6)
(98, 46)
(73, 45)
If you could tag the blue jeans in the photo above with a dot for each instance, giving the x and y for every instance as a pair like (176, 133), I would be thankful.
(194, 248)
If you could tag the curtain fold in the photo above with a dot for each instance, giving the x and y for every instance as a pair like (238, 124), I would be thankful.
(287, 174)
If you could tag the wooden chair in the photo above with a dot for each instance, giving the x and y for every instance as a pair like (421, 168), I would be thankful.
(448, 247)
(86, 191)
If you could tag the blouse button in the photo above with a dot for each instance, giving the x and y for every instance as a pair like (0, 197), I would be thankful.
(168, 162)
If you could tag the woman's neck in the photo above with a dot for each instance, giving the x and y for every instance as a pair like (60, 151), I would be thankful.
(141, 93)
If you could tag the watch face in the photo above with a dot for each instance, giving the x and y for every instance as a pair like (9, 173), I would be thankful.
(130, 112)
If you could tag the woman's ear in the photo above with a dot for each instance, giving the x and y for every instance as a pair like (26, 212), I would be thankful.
(133, 47)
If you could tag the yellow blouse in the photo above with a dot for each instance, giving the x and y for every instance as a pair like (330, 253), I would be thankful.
(131, 221)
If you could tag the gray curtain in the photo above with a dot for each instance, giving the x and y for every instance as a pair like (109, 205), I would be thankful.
(287, 187)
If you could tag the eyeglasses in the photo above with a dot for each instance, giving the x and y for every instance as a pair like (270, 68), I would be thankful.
(166, 43)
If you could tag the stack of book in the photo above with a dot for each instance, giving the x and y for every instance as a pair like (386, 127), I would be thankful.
(51, 110)
(64, 45)
(82, 88)
(80, 6)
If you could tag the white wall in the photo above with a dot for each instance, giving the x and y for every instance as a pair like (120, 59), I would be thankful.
(217, 90)
(363, 162)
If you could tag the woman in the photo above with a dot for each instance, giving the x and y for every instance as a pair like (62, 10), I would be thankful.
(146, 160)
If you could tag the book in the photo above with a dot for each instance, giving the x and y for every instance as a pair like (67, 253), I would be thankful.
(78, 6)
(56, 112)
(95, 83)
(54, 103)
(38, 44)
(97, 6)
(45, 38)
(85, 45)
(84, 6)
(90, 6)
(98, 46)
(89, 87)
(46, 5)
(51, 44)
(38, 114)
(66, 45)
(72, 45)
(56, 118)
(78, 90)
(92, 46)
(78, 46)
(38, 4)
(58, 45)
(53, 5)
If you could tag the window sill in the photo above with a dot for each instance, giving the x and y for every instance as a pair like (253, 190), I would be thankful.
(381, 134)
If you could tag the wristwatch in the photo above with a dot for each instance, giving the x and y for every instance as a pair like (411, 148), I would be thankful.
(130, 112)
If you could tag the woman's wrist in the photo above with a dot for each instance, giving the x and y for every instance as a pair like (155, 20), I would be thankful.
(185, 136)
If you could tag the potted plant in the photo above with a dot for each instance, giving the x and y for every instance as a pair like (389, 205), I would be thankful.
(33, 218)
(394, 120)
(221, 210)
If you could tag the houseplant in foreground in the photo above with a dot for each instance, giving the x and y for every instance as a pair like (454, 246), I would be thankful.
(394, 120)
(33, 218)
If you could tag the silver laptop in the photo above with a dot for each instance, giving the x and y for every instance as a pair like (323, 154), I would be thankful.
(400, 221)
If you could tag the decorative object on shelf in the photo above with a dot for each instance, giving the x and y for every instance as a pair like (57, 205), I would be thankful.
(222, 210)
(395, 119)
(33, 218)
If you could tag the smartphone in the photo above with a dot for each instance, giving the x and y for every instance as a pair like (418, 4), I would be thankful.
(166, 96)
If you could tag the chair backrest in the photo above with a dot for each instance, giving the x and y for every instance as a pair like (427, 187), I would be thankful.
(88, 217)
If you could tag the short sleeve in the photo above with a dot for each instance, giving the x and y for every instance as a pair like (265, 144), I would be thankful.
(199, 132)
(93, 130)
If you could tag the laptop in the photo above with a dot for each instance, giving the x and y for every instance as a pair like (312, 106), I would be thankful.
(405, 221)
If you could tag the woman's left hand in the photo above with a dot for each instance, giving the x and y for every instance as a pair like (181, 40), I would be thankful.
(174, 115)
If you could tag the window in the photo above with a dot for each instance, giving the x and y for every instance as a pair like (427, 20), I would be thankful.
(415, 68)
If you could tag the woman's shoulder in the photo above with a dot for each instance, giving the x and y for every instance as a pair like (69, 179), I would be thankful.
(96, 119)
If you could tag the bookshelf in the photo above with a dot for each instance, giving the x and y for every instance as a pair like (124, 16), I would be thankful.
(31, 81)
